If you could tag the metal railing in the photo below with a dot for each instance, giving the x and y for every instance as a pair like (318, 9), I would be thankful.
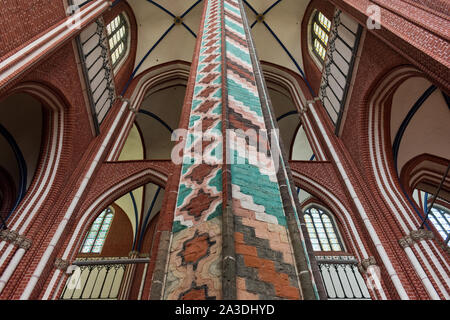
(97, 279)
(342, 279)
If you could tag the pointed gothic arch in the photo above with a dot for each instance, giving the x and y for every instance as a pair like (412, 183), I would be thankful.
(300, 134)
(404, 212)
(390, 113)
(355, 240)
(39, 180)
(322, 228)
(155, 81)
(338, 268)
(89, 212)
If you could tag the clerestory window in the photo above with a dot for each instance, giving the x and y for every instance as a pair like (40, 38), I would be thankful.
(321, 27)
(95, 239)
(322, 230)
(117, 31)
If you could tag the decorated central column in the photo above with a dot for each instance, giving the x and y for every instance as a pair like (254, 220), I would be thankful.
(236, 232)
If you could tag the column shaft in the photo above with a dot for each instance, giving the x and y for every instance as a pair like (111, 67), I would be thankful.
(236, 231)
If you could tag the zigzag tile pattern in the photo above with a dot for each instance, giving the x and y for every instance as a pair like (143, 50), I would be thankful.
(265, 261)
(264, 257)
(194, 269)
(195, 266)
(200, 188)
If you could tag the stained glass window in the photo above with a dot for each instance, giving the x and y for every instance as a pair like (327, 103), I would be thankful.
(95, 239)
(117, 31)
(322, 230)
(440, 217)
(321, 28)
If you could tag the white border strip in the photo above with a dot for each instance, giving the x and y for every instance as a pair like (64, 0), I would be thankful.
(371, 230)
(13, 66)
(389, 192)
(59, 231)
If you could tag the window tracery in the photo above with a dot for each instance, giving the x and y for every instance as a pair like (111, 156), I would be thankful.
(95, 239)
(321, 27)
(117, 31)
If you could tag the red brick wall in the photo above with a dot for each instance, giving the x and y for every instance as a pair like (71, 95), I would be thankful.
(7, 193)
(60, 72)
(439, 6)
(23, 20)
(377, 60)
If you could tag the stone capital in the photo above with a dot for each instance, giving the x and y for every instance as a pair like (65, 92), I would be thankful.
(366, 263)
(406, 242)
(11, 235)
(61, 264)
(15, 238)
(3, 234)
(133, 254)
(415, 236)
(421, 234)
(23, 243)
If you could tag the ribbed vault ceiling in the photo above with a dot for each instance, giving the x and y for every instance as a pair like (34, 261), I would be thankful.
(160, 40)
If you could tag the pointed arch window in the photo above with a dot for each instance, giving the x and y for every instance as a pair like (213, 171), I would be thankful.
(320, 33)
(117, 31)
(440, 217)
(95, 239)
(322, 230)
